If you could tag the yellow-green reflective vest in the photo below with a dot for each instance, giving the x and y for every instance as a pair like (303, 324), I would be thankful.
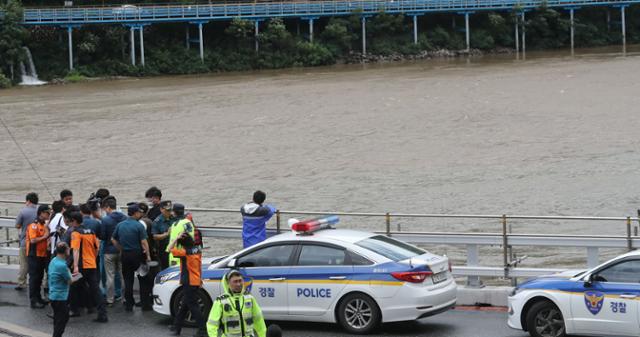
(182, 225)
(231, 322)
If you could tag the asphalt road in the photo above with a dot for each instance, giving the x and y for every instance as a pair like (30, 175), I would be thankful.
(14, 309)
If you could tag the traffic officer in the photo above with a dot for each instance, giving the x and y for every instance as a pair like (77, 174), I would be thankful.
(36, 238)
(235, 313)
(85, 245)
(160, 232)
(181, 225)
(190, 269)
(130, 238)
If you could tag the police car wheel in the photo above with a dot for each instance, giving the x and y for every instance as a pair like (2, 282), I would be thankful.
(203, 302)
(358, 314)
(544, 319)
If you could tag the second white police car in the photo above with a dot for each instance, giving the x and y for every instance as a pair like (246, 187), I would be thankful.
(319, 274)
(602, 301)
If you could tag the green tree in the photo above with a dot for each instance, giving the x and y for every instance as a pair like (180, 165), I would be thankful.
(12, 37)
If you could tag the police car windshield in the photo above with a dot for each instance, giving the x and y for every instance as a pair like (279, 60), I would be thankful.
(390, 248)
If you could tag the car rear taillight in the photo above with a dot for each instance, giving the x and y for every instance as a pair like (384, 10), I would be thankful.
(412, 276)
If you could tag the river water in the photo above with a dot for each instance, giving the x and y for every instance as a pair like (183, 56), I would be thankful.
(554, 134)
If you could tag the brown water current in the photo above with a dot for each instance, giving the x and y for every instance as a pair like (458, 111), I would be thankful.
(549, 135)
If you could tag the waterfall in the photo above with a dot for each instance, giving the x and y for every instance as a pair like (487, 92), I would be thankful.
(29, 76)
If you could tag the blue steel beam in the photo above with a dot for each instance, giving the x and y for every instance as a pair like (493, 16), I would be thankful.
(258, 10)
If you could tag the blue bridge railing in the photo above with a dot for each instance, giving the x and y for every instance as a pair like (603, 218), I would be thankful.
(262, 10)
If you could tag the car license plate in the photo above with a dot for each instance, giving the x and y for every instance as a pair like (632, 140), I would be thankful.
(439, 277)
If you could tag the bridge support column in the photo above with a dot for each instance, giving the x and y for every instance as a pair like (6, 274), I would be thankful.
(473, 254)
(142, 45)
(572, 25)
(608, 20)
(415, 29)
(187, 37)
(257, 32)
(466, 31)
(200, 42)
(70, 38)
(524, 34)
(133, 45)
(517, 33)
(364, 35)
(311, 30)
(623, 23)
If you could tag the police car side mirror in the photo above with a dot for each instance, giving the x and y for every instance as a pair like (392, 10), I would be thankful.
(589, 281)
(232, 263)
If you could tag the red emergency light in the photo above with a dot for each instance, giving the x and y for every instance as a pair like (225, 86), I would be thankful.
(310, 226)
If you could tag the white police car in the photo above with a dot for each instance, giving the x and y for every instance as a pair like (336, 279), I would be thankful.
(357, 279)
(602, 301)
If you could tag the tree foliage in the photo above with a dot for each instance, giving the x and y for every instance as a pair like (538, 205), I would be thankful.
(12, 37)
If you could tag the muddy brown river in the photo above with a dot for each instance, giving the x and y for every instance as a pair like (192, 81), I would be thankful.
(549, 135)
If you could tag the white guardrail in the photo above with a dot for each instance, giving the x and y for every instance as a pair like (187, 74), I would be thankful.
(472, 241)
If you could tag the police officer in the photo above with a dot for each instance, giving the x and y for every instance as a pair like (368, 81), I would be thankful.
(160, 232)
(130, 238)
(235, 313)
(181, 225)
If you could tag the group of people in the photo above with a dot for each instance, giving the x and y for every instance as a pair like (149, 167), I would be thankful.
(85, 252)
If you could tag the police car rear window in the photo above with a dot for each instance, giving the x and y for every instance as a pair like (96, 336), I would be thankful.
(390, 248)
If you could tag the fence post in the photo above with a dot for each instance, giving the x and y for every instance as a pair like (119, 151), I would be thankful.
(473, 256)
(388, 222)
(592, 257)
(505, 251)
(7, 235)
(629, 241)
(278, 221)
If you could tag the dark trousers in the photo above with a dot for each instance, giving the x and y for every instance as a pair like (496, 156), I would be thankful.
(189, 303)
(92, 279)
(163, 258)
(37, 265)
(131, 261)
(78, 295)
(60, 317)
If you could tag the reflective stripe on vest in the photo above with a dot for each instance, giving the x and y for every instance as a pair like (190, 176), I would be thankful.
(231, 317)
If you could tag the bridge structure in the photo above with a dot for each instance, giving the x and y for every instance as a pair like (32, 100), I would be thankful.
(137, 17)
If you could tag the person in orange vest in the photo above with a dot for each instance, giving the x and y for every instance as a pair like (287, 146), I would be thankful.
(36, 238)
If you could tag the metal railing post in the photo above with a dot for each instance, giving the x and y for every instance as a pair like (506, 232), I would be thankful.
(505, 250)
(473, 259)
(592, 257)
(629, 241)
(7, 235)
(278, 221)
(388, 222)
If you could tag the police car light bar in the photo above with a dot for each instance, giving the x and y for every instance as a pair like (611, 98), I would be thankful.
(310, 226)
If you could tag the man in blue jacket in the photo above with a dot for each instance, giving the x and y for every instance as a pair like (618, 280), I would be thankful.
(254, 219)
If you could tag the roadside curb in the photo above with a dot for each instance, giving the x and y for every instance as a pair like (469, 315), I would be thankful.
(12, 330)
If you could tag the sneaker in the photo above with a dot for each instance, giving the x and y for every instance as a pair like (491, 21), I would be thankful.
(74, 313)
(117, 299)
(37, 305)
(43, 301)
(19, 288)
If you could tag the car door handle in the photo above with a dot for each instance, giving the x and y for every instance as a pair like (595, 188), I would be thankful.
(628, 296)
(277, 279)
(337, 277)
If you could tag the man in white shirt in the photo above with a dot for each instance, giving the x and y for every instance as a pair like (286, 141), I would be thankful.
(56, 225)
